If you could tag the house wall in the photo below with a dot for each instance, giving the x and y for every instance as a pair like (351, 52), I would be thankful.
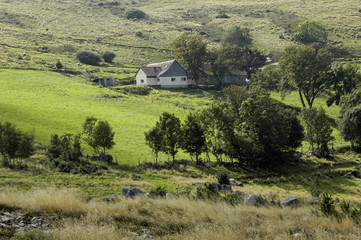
(166, 82)
(139, 77)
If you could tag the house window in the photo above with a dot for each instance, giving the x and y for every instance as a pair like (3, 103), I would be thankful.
(184, 78)
(173, 79)
(141, 81)
(158, 79)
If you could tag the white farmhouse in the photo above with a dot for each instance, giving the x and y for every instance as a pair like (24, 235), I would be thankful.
(168, 74)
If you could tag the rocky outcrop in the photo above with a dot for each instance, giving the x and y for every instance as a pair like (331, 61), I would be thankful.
(21, 222)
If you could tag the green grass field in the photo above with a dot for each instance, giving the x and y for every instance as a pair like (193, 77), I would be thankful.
(49, 103)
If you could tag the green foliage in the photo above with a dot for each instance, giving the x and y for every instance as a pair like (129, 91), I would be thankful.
(223, 178)
(350, 126)
(59, 65)
(318, 130)
(305, 69)
(158, 192)
(191, 50)
(327, 205)
(267, 78)
(170, 126)
(154, 139)
(268, 126)
(344, 80)
(236, 95)
(137, 90)
(87, 57)
(66, 147)
(237, 36)
(222, 14)
(311, 31)
(108, 57)
(135, 14)
(193, 139)
(233, 199)
(208, 192)
(14, 144)
(98, 134)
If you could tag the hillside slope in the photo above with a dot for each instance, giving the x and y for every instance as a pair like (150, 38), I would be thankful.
(48, 30)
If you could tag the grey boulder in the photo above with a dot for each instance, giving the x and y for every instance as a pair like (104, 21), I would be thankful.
(255, 200)
(131, 192)
(290, 201)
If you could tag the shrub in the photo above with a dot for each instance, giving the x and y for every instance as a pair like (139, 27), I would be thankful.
(87, 57)
(139, 34)
(59, 65)
(222, 14)
(108, 57)
(137, 90)
(135, 14)
(327, 205)
(223, 178)
(158, 192)
(233, 199)
(208, 192)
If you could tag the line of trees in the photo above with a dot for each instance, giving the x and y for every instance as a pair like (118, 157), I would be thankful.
(250, 127)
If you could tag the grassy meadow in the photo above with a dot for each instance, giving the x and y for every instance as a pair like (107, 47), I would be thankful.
(49, 103)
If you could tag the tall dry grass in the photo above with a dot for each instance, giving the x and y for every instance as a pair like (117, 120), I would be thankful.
(180, 218)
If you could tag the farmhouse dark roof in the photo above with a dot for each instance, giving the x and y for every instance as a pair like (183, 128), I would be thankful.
(157, 69)
(151, 71)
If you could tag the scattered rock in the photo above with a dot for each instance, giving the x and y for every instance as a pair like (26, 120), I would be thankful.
(112, 197)
(297, 235)
(19, 222)
(233, 182)
(315, 200)
(290, 201)
(255, 200)
(79, 64)
(240, 185)
(226, 187)
(131, 192)
(171, 196)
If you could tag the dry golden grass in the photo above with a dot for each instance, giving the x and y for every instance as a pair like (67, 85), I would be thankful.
(180, 218)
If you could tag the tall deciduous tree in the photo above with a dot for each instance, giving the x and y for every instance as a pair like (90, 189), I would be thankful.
(193, 136)
(318, 129)
(237, 36)
(170, 125)
(154, 139)
(306, 69)
(191, 50)
(103, 135)
(311, 31)
(98, 134)
(344, 79)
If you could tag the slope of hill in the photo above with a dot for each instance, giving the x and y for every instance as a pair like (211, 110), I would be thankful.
(47, 30)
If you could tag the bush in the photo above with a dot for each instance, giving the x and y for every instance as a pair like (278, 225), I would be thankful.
(327, 205)
(108, 57)
(87, 57)
(59, 65)
(233, 199)
(135, 14)
(208, 192)
(223, 178)
(137, 90)
(158, 192)
(139, 34)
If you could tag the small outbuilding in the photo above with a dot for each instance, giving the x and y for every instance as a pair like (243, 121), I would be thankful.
(168, 74)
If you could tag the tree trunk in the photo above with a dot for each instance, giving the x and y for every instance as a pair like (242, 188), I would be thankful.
(303, 103)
